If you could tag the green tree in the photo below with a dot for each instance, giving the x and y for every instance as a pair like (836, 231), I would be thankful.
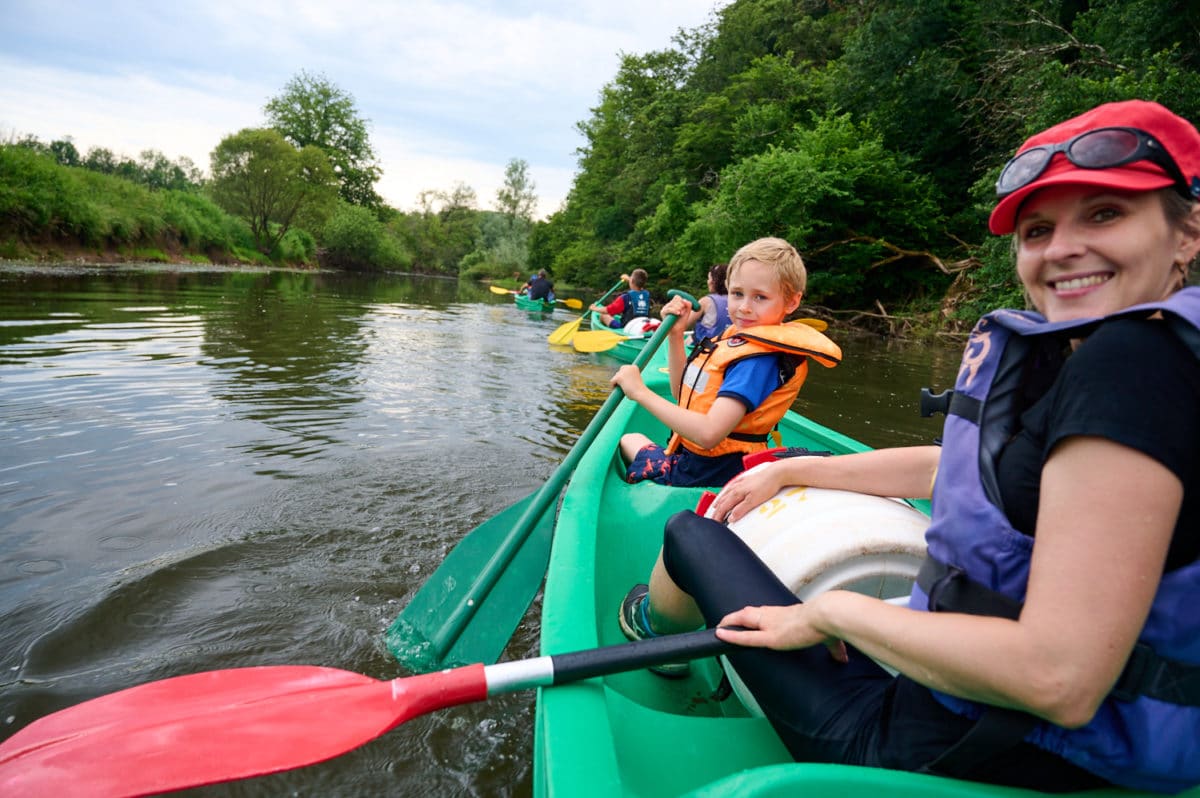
(156, 171)
(100, 159)
(441, 233)
(841, 198)
(64, 152)
(502, 240)
(260, 177)
(515, 199)
(313, 111)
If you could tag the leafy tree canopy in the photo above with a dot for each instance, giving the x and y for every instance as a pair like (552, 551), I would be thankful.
(313, 111)
(515, 199)
(868, 132)
(262, 178)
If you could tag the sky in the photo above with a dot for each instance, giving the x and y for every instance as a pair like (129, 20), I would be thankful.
(451, 90)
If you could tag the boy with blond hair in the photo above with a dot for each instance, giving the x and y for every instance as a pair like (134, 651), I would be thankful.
(731, 392)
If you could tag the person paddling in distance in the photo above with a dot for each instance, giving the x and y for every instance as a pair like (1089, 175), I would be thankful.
(630, 305)
(1051, 640)
(730, 392)
(713, 317)
(540, 286)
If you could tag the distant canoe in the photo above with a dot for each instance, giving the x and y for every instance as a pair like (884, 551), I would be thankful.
(533, 305)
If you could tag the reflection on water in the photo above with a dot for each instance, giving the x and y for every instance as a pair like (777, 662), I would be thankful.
(205, 469)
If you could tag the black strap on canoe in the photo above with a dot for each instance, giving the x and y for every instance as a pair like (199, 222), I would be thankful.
(1146, 673)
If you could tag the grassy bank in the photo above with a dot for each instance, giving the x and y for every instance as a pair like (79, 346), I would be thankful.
(53, 212)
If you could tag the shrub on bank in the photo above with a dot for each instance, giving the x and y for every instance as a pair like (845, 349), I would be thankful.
(354, 238)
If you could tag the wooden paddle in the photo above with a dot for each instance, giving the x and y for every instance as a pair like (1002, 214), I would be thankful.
(566, 332)
(468, 608)
(572, 303)
(235, 724)
(604, 340)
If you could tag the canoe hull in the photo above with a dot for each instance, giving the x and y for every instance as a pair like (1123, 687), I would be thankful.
(532, 305)
(628, 349)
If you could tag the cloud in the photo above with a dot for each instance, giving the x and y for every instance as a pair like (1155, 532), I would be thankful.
(452, 90)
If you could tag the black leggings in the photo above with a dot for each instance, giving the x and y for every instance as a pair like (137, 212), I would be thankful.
(824, 711)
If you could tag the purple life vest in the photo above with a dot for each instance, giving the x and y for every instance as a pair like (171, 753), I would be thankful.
(722, 320)
(1146, 733)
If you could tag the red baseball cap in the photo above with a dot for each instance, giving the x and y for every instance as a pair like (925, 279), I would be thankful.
(1177, 136)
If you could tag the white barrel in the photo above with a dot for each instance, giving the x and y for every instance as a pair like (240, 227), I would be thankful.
(816, 539)
(640, 326)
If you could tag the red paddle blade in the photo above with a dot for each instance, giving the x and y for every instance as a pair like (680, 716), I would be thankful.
(217, 726)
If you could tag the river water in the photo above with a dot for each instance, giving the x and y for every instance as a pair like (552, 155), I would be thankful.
(204, 468)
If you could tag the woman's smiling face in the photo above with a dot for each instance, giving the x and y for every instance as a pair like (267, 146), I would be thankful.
(1083, 251)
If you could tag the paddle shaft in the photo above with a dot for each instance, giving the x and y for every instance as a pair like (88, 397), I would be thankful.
(555, 669)
(609, 292)
(566, 332)
(485, 578)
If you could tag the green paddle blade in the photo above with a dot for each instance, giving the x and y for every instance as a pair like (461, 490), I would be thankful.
(475, 599)
(493, 621)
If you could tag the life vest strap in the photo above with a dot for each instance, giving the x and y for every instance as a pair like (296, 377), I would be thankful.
(965, 406)
(1145, 674)
(951, 590)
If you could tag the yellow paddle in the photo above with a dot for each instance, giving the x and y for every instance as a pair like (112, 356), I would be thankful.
(572, 303)
(604, 340)
(565, 332)
(597, 340)
(820, 325)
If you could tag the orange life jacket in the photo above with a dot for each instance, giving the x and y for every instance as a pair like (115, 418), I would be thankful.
(706, 369)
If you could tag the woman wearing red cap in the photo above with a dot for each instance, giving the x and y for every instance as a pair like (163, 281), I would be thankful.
(1052, 639)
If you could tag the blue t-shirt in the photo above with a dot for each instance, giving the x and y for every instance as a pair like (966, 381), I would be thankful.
(752, 379)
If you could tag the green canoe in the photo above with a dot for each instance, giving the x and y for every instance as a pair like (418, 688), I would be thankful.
(534, 305)
(628, 349)
(637, 734)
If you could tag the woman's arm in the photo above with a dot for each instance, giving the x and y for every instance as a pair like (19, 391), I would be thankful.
(1105, 521)
(706, 307)
(906, 472)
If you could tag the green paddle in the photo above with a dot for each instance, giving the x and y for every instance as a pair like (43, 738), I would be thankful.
(566, 332)
(469, 607)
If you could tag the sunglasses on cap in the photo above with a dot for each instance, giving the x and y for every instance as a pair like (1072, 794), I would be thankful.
(1102, 148)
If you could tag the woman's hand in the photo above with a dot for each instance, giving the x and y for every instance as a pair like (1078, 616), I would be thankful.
(780, 628)
(746, 491)
(629, 379)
